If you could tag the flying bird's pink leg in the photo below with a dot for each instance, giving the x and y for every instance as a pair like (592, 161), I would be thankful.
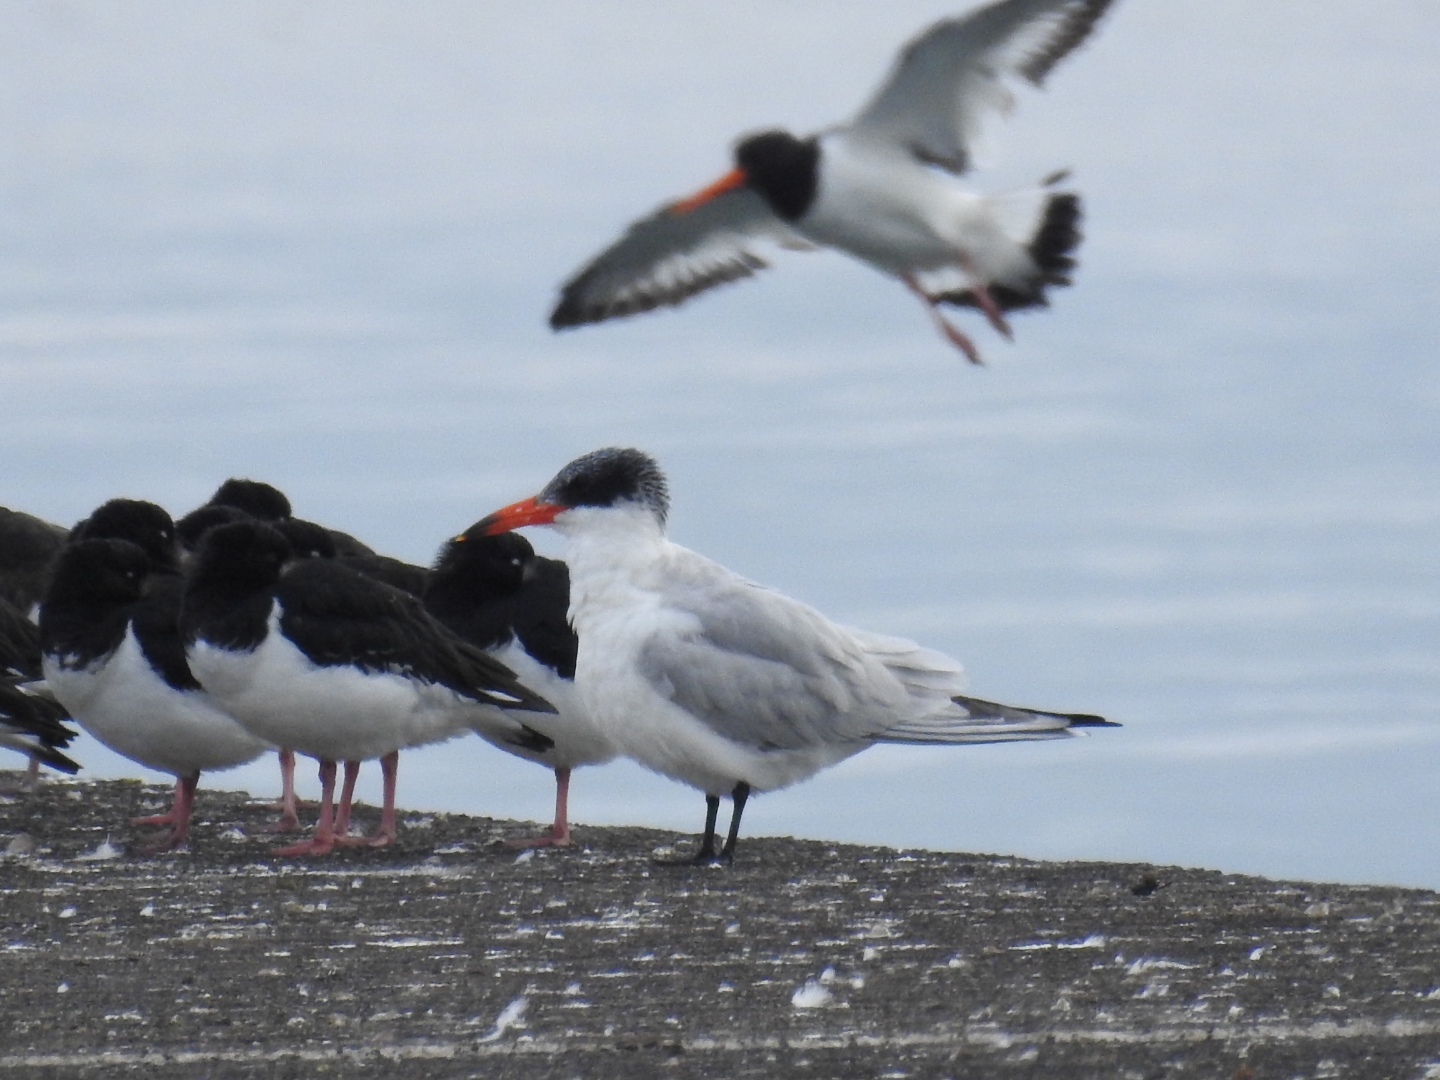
(983, 300)
(559, 834)
(952, 333)
(179, 815)
(289, 805)
(324, 838)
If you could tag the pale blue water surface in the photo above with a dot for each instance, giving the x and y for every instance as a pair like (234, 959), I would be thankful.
(316, 243)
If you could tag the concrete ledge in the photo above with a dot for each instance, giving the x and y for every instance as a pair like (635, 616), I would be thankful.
(448, 956)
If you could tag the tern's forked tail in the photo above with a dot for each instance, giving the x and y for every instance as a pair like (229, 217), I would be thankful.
(977, 721)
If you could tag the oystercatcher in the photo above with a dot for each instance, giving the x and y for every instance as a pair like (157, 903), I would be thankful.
(879, 188)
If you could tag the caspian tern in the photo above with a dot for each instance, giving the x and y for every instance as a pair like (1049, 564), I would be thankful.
(311, 655)
(721, 683)
(876, 188)
(495, 592)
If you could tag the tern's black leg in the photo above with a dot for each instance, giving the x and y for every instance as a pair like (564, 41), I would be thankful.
(738, 797)
(706, 854)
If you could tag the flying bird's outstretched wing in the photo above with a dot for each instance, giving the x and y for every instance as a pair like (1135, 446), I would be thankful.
(945, 81)
(676, 252)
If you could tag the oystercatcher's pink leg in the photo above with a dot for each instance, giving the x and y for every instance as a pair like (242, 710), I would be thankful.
(289, 805)
(945, 326)
(389, 769)
(167, 818)
(179, 836)
(385, 834)
(559, 834)
(347, 793)
(324, 837)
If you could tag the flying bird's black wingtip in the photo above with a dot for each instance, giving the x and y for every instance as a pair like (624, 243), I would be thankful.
(1073, 28)
(567, 315)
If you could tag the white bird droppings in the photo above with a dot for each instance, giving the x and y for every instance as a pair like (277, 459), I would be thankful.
(512, 1015)
(106, 850)
(811, 996)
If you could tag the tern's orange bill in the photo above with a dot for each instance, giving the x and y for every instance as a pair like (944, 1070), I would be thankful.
(733, 179)
(529, 511)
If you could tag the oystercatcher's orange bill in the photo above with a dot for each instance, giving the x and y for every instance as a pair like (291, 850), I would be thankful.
(733, 179)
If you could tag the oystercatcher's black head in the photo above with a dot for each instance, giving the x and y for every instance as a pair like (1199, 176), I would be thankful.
(144, 524)
(481, 565)
(782, 168)
(259, 500)
(241, 557)
(98, 573)
(307, 539)
(197, 523)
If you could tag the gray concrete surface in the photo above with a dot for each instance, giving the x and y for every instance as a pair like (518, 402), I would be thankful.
(449, 956)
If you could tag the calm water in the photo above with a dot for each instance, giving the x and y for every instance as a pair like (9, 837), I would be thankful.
(1201, 495)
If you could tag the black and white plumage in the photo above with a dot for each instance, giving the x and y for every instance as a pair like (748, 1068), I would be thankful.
(28, 545)
(239, 499)
(313, 656)
(145, 524)
(266, 502)
(879, 188)
(723, 684)
(113, 657)
(497, 594)
(31, 720)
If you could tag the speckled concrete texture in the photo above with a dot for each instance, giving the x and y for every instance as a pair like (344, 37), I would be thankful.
(449, 955)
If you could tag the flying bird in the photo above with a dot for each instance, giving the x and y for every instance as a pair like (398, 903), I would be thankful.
(723, 684)
(880, 188)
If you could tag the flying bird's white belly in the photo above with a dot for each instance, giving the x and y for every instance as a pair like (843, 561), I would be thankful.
(125, 704)
(902, 216)
(884, 208)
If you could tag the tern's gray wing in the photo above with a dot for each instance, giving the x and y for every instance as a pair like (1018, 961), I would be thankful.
(766, 671)
(673, 254)
(946, 79)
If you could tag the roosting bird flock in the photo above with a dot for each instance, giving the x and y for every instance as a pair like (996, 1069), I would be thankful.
(200, 644)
